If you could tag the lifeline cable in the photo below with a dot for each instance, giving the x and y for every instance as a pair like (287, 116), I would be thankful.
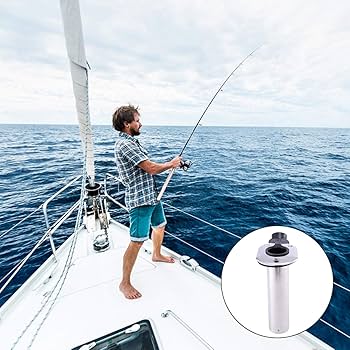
(194, 129)
(61, 278)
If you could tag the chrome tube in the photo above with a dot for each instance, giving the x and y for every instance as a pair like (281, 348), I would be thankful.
(277, 255)
(278, 298)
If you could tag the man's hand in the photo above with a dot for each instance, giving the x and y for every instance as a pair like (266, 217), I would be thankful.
(157, 168)
(176, 162)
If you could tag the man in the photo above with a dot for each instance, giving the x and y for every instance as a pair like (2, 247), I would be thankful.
(136, 173)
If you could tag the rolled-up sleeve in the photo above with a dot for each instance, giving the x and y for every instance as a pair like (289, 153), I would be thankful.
(132, 153)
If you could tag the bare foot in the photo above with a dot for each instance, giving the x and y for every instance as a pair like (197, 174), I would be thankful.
(163, 258)
(129, 291)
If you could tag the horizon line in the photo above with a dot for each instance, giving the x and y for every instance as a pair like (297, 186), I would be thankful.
(192, 125)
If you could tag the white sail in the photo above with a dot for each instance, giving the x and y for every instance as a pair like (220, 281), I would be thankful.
(79, 70)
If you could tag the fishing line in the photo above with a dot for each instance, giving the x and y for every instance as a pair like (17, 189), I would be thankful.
(194, 129)
(211, 101)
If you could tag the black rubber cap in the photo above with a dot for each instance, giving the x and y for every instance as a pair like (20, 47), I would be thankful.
(277, 250)
(279, 237)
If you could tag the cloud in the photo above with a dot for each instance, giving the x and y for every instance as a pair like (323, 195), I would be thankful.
(170, 57)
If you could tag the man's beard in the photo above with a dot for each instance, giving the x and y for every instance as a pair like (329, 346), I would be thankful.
(134, 132)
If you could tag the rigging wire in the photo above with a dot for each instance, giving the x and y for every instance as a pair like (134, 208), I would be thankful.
(19, 222)
(68, 262)
(63, 275)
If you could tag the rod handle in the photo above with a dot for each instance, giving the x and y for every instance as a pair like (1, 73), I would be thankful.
(166, 183)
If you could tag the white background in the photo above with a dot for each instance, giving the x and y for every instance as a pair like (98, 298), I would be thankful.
(244, 282)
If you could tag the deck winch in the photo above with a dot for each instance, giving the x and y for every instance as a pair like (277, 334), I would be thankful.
(277, 255)
(96, 211)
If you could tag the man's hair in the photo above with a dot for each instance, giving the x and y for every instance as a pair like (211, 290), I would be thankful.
(124, 114)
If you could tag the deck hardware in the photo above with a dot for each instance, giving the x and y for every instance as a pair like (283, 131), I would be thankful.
(147, 251)
(168, 313)
(134, 328)
(188, 262)
(88, 346)
(97, 206)
(277, 255)
(101, 243)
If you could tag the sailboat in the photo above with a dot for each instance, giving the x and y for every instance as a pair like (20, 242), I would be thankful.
(72, 301)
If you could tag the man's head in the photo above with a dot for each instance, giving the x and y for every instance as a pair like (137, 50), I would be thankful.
(127, 119)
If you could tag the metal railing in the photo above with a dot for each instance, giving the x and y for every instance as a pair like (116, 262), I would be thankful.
(168, 313)
(45, 211)
(47, 235)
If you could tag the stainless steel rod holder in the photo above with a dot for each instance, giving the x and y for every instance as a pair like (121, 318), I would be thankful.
(278, 299)
(277, 255)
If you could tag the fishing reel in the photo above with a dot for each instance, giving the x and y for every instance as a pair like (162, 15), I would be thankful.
(185, 165)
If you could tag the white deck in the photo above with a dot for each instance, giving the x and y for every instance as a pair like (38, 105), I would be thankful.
(90, 305)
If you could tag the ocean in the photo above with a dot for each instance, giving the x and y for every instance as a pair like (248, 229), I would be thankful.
(242, 179)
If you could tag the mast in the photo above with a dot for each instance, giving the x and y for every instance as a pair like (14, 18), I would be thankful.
(79, 71)
(95, 206)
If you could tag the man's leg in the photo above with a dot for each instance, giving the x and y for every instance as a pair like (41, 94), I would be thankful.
(128, 263)
(139, 228)
(157, 239)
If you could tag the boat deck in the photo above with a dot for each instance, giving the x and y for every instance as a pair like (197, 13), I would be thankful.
(90, 304)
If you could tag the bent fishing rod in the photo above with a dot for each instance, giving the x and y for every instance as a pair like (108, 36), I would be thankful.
(186, 165)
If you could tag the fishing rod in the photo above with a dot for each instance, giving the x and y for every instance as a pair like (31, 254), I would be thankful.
(186, 164)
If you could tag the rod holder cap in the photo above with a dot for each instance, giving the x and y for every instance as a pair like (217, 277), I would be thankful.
(278, 252)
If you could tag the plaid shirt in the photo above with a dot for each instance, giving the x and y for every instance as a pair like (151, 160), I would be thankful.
(140, 187)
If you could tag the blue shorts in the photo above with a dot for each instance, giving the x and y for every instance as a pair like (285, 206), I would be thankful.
(144, 217)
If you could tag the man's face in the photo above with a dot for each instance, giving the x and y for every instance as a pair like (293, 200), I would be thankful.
(135, 125)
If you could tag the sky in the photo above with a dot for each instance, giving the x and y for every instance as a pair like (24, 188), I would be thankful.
(169, 57)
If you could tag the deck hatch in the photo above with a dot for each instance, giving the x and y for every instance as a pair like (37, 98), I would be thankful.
(137, 336)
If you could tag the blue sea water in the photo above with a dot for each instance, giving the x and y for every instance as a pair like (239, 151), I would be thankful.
(242, 179)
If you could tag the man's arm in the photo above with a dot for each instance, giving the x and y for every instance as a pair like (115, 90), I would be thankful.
(156, 168)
